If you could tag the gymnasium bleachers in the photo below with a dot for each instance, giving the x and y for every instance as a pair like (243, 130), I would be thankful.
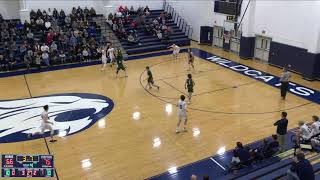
(39, 35)
(151, 42)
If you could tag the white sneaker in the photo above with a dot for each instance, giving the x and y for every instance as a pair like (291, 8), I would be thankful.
(177, 130)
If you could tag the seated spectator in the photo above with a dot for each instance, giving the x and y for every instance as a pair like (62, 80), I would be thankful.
(19, 26)
(23, 50)
(168, 16)
(85, 54)
(33, 24)
(131, 39)
(121, 9)
(67, 21)
(79, 56)
(54, 47)
(44, 48)
(132, 11)
(62, 14)
(45, 58)
(304, 133)
(31, 55)
(26, 61)
(73, 41)
(5, 62)
(92, 12)
(39, 13)
(30, 37)
(2, 63)
(86, 11)
(47, 24)
(33, 14)
(301, 169)
(39, 23)
(133, 25)
(159, 34)
(241, 156)
(110, 19)
(146, 11)
(114, 27)
(315, 127)
(148, 29)
(271, 147)
(122, 33)
(50, 37)
(55, 13)
(38, 61)
(62, 57)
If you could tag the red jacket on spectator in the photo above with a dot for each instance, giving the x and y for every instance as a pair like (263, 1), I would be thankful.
(50, 36)
(121, 9)
(133, 24)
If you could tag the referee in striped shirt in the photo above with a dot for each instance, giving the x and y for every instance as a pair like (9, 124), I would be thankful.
(284, 79)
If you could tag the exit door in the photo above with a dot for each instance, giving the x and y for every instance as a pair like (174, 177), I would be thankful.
(262, 48)
(218, 36)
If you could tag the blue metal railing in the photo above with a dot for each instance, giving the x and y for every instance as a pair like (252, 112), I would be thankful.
(182, 24)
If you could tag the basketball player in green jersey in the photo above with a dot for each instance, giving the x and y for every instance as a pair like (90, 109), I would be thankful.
(120, 65)
(150, 79)
(189, 85)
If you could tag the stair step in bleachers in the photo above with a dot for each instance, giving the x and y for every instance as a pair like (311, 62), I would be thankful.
(160, 46)
(151, 43)
(153, 39)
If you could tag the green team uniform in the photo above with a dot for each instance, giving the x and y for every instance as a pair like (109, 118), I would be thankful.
(191, 58)
(150, 77)
(120, 65)
(190, 85)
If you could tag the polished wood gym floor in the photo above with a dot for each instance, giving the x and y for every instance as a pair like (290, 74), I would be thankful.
(139, 139)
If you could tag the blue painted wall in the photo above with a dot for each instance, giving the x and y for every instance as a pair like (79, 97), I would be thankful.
(300, 59)
(246, 47)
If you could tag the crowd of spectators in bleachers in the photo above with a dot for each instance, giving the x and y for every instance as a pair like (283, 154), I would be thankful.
(50, 37)
(134, 19)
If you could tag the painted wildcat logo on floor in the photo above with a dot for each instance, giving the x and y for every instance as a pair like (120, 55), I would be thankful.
(71, 113)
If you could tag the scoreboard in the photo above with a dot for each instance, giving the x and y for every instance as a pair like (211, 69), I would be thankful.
(229, 7)
(13, 165)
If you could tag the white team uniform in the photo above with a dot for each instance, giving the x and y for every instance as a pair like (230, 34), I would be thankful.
(182, 110)
(111, 55)
(317, 128)
(104, 57)
(45, 126)
(176, 50)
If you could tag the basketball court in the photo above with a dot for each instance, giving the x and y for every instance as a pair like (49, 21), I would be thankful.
(137, 138)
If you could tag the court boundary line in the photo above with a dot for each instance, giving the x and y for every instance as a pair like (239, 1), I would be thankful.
(44, 138)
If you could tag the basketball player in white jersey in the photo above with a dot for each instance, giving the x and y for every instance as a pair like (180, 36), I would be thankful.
(111, 54)
(45, 124)
(182, 114)
(176, 50)
(103, 59)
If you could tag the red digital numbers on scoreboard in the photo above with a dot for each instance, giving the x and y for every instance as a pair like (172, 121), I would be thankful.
(9, 161)
(48, 162)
